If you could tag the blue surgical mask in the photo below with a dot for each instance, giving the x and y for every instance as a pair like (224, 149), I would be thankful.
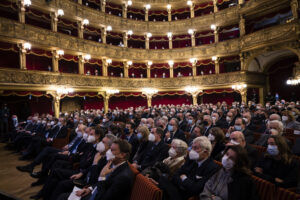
(170, 128)
(29, 121)
(273, 150)
(190, 121)
(238, 128)
(139, 136)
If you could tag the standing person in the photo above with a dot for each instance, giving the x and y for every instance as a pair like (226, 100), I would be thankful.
(4, 115)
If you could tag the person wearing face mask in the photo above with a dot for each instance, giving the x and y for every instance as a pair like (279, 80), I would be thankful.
(217, 138)
(240, 125)
(90, 175)
(155, 151)
(143, 135)
(233, 181)
(277, 165)
(132, 138)
(192, 176)
(197, 132)
(174, 132)
(182, 121)
(207, 124)
(116, 178)
(62, 169)
(191, 124)
(289, 120)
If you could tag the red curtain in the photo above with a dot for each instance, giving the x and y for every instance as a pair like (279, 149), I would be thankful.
(229, 32)
(223, 4)
(181, 41)
(114, 38)
(68, 66)
(204, 67)
(159, 69)
(127, 101)
(38, 18)
(158, 15)
(219, 97)
(9, 59)
(115, 69)
(183, 13)
(205, 37)
(91, 33)
(9, 10)
(93, 103)
(230, 64)
(113, 9)
(93, 69)
(41, 63)
(159, 43)
(184, 68)
(204, 9)
(67, 27)
(135, 14)
(138, 69)
(135, 41)
(95, 4)
(171, 99)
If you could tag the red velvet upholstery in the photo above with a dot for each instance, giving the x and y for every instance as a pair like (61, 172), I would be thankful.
(265, 189)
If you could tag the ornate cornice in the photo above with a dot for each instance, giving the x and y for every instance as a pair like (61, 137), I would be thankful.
(35, 79)
(18, 32)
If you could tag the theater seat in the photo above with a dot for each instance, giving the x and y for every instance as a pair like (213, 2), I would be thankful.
(256, 136)
(265, 189)
(61, 142)
(285, 194)
(144, 189)
(261, 150)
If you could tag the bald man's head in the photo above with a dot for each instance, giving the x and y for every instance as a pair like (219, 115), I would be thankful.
(237, 138)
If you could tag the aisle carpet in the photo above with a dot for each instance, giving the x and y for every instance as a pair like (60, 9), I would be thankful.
(13, 182)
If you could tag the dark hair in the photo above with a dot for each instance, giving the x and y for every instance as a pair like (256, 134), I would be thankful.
(283, 148)
(160, 131)
(218, 133)
(99, 131)
(132, 125)
(242, 162)
(124, 146)
(243, 121)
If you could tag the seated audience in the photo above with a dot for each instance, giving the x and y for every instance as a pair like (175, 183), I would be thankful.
(289, 120)
(174, 132)
(277, 165)
(217, 138)
(233, 181)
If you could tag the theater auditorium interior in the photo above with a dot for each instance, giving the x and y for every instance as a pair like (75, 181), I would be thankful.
(149, 99)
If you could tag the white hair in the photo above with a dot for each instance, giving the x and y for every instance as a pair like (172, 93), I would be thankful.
(279, 124)
(204, 143)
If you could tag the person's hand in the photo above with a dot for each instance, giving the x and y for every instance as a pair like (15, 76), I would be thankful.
(182, 176)
(168, 135)
(84, 192)
(258, 170)
(153, 181)
(97, 157)
(64, 153)
(278, 180)
(135, 165)
(76, 176)
(231, 129)
(49, 140)
(65, 148)
(106, 169)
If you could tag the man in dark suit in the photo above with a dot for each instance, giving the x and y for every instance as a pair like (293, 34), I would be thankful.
(131, 138)
(157, 150)
(192, 176)
(116, 178)
(207, 124)
(240, 125)
(174, 132)
(182, 121)
(191, 124)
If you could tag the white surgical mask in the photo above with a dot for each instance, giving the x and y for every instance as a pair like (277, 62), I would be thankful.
(91, 139)
(52, 123)
(109, 155)
(228, 119)
(227, 163)
(246, 120)
(172, 152)
(193, 155)
(104, 120)
(100, 147)
(211, 137)
(284, 118)
(234, 142)
(273, 150)
(151, 137)
(85, 136)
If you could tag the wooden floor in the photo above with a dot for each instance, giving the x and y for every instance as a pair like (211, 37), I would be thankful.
(12, 181)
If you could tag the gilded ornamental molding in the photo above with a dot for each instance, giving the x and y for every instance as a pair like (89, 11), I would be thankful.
(35, 79)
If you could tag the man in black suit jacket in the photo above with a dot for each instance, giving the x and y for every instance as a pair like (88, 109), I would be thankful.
(182, 121)
(157, 150)
(131, 138)
(192, 176)
(240, 125)
(174, 132)
(116, 178)
(207, 124)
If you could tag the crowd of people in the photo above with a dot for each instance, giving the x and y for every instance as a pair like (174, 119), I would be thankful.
(178, 147)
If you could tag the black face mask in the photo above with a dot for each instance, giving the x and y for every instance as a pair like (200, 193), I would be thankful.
(126, 131)
(205, 123)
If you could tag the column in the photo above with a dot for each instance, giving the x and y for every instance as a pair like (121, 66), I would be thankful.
(80, 64)
(55, 58)
(261, 95)
(243, 93)
(104, 67)
(216, 32)
(194, 68)
(148, 71)
(169, 15)
(192, 11)
(125, 39)
(22, 57)
(217, 66)
(21, 12)
(216, 6)
(295, 7)
(79, 1)
(124, 10)
(103, 35)
(171, 72)
(125, 69)
(241, 2)
(242, 60)
(242, 25)
(103, 3)
(193, 39)
(147, 43)
(80, 29)
(170, 43)
(106, 102)
(55, 102)
(146, 15)
(195, 96)
(54, 20)
(201, 99)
